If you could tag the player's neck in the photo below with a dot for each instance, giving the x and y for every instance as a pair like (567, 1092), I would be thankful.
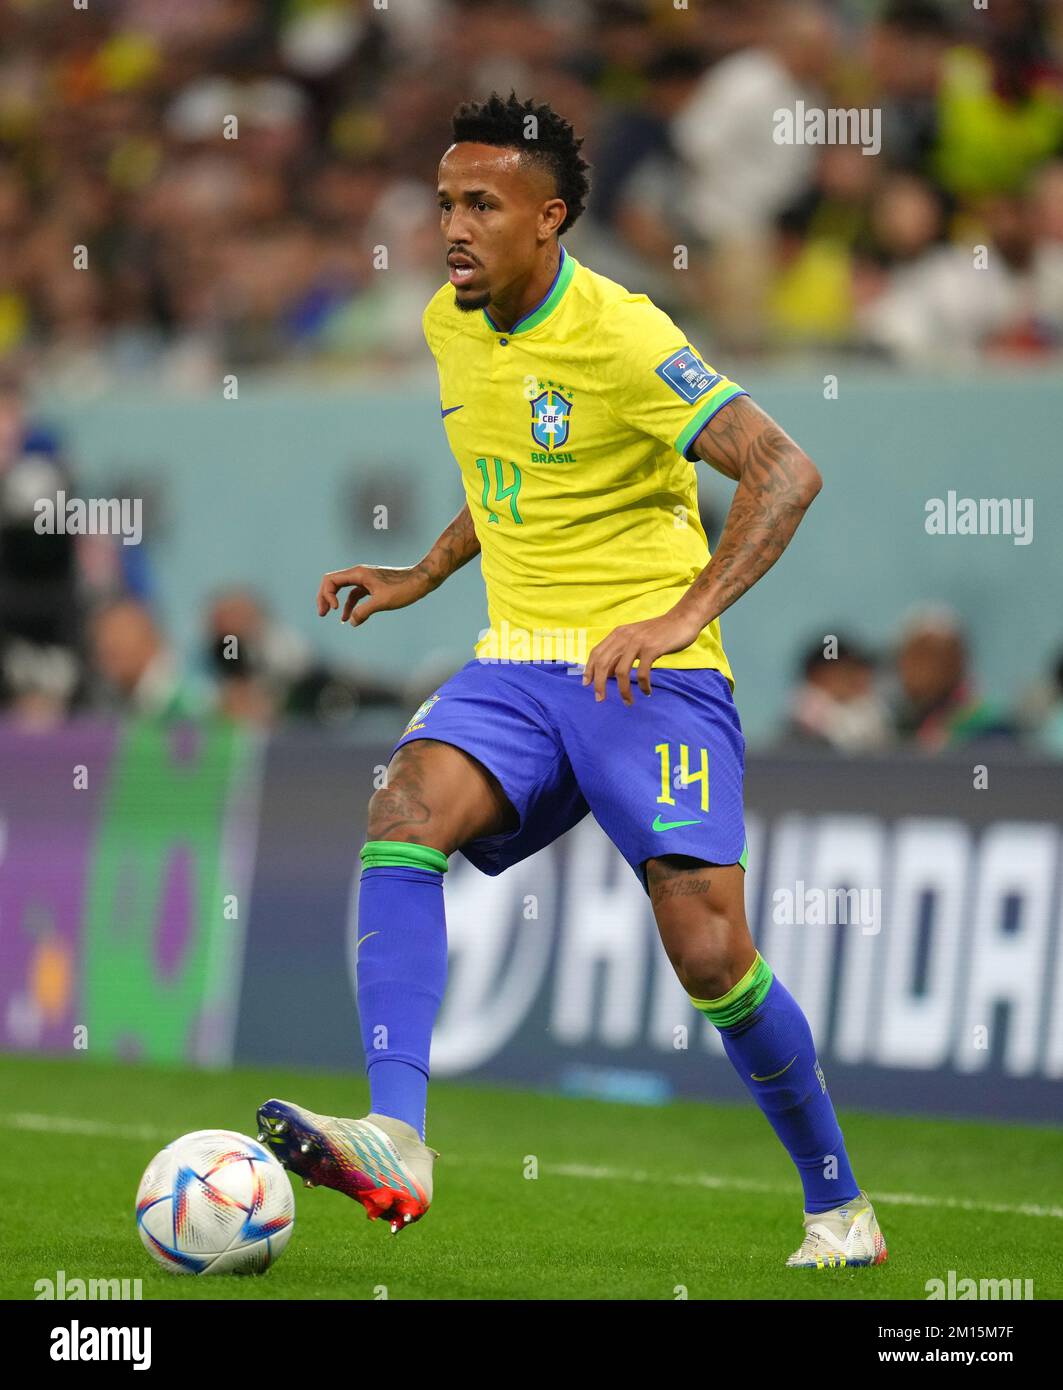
(522, 297)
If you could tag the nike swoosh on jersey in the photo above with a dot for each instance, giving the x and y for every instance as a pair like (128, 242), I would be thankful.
(658, 824)
(449, 410)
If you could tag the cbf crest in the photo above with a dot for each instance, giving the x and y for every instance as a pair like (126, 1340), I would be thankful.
(418, 717)
(551, 418)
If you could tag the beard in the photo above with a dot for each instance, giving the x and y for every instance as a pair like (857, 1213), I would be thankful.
(480, 300)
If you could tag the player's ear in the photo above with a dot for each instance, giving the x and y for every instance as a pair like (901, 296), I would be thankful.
(551, 217)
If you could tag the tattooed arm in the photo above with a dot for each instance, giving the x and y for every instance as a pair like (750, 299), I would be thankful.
(776, 483)
(454, 548)
(377, 587)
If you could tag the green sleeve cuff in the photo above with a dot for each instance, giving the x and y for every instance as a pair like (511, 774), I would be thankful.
(685, 443)
(380, 854)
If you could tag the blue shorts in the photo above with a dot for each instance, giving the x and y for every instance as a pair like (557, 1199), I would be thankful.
(661, 776)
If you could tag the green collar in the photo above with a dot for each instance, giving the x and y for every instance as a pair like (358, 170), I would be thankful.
(566, 268)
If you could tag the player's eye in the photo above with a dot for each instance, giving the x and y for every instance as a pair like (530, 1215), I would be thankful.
(481, 206)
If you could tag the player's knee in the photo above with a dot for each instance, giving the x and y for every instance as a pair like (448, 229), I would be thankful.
(703, 942)
(437, 795)
(701, 915)
(703, 930)
(391, 817)
(398, 811)
(707, 966)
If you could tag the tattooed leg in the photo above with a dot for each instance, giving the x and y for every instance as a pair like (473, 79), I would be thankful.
(440, 796)
(700, 912)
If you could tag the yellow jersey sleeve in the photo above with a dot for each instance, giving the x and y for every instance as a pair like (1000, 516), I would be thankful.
(664, 388)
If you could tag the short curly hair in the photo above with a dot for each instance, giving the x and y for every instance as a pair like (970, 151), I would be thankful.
(553, 142)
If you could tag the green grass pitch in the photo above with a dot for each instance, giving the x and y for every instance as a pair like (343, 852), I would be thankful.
(630, 1202)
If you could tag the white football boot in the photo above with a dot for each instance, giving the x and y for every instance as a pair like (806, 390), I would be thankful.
(847, 1237)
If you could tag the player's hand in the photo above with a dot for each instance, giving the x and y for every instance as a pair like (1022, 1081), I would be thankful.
(372, 588)
(644, 642)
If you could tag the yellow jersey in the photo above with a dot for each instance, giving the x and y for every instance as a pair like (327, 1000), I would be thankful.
(573, 431)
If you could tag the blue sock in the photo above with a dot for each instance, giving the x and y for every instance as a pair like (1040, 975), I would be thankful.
(402, 972)
(766, 1035)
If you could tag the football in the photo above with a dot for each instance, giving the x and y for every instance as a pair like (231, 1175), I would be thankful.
(215, 1202)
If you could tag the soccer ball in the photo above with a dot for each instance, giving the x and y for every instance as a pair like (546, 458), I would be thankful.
(215, 1202)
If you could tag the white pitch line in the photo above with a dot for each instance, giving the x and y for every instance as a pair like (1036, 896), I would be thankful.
(91, 1129)
(899, 1199)
(104, 1129)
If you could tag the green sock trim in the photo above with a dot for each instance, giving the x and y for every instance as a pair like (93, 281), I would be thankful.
(378, 854)
(740, 1001)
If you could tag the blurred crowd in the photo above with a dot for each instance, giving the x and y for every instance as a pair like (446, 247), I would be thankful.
(252, 181)
(190, 188)
(921, 694)
(80, 630)
(80, 633)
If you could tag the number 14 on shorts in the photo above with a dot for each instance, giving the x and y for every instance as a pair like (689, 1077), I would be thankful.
(682, 777)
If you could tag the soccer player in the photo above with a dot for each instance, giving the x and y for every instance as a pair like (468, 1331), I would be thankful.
(576, 412)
